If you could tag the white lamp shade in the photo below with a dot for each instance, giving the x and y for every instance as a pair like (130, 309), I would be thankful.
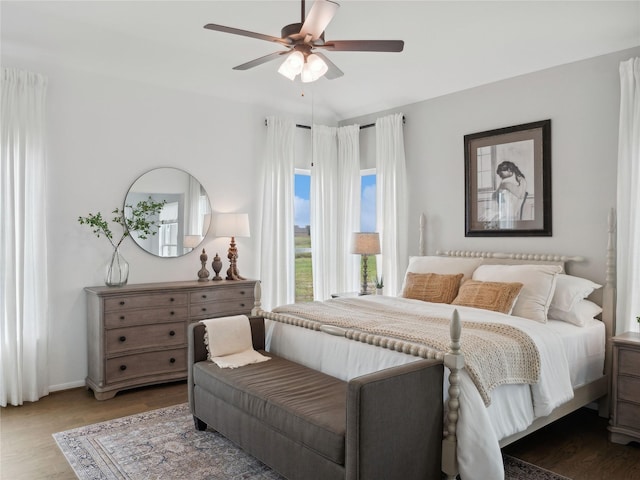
(292, 65)
(232, 225)
(317, 65)
(191, 241)
(365, 243)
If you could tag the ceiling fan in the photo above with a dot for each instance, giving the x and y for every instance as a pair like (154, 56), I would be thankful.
(303, 40)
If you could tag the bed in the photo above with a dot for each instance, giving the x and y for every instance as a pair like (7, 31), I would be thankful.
(568, 367)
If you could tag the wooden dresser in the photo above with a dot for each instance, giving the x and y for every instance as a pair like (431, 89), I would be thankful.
(137, 334)
(625, 419)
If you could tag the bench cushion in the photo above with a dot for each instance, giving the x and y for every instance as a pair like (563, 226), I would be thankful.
(307, 406)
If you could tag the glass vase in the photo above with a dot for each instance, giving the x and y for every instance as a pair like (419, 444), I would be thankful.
(116, 270)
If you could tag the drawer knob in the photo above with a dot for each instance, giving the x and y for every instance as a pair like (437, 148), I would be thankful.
(172, 312)
(171, 299)
(204, 296)
(172, 333)
(204, 309)
(122, 302)
(241, 292)
(123, 367)
(123, 338)
(172, 360)
(242, 304)
(121, 317)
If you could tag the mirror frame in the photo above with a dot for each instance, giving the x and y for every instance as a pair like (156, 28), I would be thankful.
(174, 186)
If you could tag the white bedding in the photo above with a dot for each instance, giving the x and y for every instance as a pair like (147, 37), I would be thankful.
(570, 356)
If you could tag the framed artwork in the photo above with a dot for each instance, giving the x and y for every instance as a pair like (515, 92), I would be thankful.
(508, 181)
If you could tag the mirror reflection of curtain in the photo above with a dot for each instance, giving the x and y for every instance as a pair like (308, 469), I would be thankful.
(392, 200)
(335, 209)
(24, 374)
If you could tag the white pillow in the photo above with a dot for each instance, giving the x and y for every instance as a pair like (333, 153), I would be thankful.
(583, 311)
(539, 283)
(570, 290)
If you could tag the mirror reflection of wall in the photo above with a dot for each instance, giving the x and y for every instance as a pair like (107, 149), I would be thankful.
(182, 219)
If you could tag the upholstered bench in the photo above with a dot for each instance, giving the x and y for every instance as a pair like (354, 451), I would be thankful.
(308, 425)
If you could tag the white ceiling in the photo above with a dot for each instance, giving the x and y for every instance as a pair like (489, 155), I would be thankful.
(449, 46)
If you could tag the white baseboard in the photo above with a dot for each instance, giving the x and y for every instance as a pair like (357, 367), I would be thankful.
(66, 386)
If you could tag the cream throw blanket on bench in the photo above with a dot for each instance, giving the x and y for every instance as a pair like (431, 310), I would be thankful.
(228, 341)
(495, 354)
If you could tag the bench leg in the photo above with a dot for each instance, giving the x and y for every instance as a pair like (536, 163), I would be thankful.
(199, 424)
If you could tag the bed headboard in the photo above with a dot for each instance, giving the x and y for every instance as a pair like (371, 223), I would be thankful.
(608, 289)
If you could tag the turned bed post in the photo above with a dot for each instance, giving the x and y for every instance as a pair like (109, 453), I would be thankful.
(454, 361)
(256, 311)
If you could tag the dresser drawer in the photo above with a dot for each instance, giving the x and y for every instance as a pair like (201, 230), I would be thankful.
(127, 318)
(146, 364)
(221, 309)
(126, 302)
(629, 362)
(218, 294)
(629, 389)
(148, 336)
(628, 415)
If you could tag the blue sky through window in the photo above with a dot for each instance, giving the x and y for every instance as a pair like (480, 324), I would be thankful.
(302, 187)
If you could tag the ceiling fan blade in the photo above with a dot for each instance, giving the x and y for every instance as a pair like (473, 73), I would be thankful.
(321, 13)
(363, 45)
(246, 33)
(261, 60)
(333, 72)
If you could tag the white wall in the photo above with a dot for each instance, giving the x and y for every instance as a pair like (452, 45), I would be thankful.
(105, 132)
(582, 100)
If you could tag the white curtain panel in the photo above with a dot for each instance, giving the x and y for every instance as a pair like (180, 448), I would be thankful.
(392, 201)
(628, 204)
(23, 241)
(335, 208)
(348, 214)
(277, 248)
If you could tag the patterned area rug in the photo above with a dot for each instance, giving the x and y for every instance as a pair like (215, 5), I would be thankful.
(163, 444)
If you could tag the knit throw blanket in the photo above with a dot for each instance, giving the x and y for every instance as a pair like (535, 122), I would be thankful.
(495, 354)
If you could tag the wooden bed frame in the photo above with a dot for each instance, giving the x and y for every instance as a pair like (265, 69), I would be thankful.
(597, 391)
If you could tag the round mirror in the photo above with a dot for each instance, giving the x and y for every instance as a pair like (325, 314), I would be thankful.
(184, 219)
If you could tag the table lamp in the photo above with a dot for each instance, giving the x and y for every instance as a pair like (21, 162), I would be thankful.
(365, 244)
(232, 225)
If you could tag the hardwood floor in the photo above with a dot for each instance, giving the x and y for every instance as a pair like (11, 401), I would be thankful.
(29, 452)
(576, 446)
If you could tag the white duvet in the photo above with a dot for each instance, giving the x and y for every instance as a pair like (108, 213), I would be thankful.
(513, 407)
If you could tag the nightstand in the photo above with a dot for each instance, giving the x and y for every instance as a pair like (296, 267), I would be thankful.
(624, 426)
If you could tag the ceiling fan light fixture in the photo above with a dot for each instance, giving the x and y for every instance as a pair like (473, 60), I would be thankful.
(313, 69)
(292, 65)
(317, 65)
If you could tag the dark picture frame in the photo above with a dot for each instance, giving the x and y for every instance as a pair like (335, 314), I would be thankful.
(508, 181)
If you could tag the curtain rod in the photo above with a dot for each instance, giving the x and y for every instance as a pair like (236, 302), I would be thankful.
(369, 125)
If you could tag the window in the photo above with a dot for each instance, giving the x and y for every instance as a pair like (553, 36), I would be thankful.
(302, 236)
(302, 227)
(368, 214)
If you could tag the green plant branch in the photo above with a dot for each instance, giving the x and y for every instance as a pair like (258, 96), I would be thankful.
(139, 221)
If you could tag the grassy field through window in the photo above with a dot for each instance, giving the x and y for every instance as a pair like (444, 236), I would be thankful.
(304, 272)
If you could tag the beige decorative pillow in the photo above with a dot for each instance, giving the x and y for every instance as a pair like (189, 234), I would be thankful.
(495, 296)
(443, 266)
(431, 287)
